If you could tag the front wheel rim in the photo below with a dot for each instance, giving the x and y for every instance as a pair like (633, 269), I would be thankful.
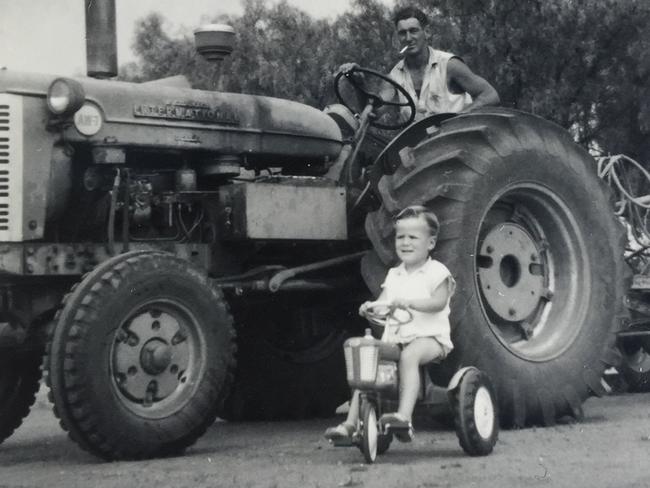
(371, 433)
(156, 358)
(532, 271)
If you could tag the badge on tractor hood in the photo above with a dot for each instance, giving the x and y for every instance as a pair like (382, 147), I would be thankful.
(187, 111)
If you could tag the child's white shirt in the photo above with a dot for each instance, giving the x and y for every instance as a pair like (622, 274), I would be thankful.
(419, 283)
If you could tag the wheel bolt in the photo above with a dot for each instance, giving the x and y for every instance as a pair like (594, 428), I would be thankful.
(533, 257)
(150, 395)
(155, 325)
(489, 249)
(132, 341)
(173, 369)
(133, 371)
(512, 312)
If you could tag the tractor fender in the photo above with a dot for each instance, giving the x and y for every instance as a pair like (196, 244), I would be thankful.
(388, 160)
(458, 376)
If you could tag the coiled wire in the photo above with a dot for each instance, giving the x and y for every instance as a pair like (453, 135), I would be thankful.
(632, 208)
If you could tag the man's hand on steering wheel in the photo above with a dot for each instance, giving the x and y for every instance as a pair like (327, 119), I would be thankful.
(377, 98)
(346, 68)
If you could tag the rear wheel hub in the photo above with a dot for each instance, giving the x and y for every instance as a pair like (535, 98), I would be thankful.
(510, 275)
(529, 250)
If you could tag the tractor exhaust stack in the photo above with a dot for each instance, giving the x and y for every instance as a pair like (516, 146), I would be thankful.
(101, 40)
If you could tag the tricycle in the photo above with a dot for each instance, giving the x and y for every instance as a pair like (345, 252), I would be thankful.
(372, 369)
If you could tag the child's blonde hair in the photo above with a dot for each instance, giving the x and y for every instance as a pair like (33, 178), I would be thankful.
(414, 211)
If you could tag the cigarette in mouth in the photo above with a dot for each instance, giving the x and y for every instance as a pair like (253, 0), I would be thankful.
(404, 49)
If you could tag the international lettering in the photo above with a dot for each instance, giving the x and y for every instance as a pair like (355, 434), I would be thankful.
(197, 113)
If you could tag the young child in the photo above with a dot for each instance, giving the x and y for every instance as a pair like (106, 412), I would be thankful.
(423, 286)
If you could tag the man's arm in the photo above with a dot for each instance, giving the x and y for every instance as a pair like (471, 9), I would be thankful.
(459, 74)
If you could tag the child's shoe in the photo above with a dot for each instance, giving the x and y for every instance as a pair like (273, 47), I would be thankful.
(397, 425)
(341, 435)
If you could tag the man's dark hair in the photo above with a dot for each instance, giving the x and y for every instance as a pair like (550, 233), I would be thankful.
(410, 13)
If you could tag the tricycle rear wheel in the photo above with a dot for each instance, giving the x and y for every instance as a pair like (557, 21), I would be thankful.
(475, 414)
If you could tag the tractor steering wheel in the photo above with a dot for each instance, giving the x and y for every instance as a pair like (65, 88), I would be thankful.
(375, 98)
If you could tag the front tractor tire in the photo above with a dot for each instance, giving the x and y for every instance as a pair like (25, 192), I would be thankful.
(140, 357)
(527, 230)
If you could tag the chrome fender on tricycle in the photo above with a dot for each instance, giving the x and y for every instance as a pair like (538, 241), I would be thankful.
(454, 382)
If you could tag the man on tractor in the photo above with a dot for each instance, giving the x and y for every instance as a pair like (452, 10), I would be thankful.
(438, 81)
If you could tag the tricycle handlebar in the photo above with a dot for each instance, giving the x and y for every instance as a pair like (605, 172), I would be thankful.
(382, 313)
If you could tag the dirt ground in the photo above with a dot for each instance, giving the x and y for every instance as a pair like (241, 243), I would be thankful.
(609, 448)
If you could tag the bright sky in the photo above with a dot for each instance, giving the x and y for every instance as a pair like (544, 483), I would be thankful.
(48, 35)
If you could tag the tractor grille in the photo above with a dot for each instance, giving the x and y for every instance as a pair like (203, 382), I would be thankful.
(4, 166)
(11, 152)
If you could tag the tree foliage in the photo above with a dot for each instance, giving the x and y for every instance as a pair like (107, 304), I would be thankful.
(584, 64)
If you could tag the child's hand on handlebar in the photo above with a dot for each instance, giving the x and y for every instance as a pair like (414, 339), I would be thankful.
(383, 311)
(364, 308)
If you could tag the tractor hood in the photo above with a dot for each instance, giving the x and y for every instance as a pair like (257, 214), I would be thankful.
(153, 115)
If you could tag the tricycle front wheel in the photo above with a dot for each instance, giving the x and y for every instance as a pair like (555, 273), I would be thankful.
(370, 432)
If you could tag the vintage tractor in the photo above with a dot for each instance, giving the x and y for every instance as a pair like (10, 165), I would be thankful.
(169, 255)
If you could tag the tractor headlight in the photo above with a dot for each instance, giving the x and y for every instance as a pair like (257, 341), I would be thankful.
(65, 96)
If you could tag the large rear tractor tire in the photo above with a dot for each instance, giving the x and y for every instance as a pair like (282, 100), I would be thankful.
(527, 230)
(140, 357)
(20, 373)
